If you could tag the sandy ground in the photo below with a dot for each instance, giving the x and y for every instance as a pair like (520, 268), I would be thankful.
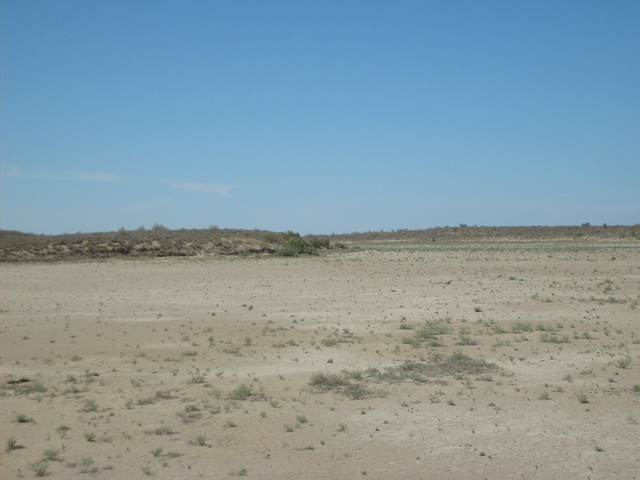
(202, 368)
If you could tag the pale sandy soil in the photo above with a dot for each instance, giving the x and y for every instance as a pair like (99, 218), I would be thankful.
(136, 368)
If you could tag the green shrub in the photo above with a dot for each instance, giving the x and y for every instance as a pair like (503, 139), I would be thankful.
(623, 362)
(415, 342)
(432, 328)
(355, 392)
(327, 380)
(270, 237)
(546, 337)
(241, 393)
(520, 327)
(320, 243)
(12, 444)
(39, 468)
(294, 245)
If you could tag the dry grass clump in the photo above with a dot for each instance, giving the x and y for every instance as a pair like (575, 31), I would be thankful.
(454, 365)
(328, 381)
(342, 383)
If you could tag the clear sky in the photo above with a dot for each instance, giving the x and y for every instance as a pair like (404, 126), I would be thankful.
(319, 116)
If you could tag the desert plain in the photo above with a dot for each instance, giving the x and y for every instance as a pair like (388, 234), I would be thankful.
(469, 360)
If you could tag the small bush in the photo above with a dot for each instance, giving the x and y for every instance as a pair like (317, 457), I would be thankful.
(320, 243)
(39, 468)
(520, 327)
(241, 393)
(161, 431)
(355, 392)
(466, 340)
(623, 362)
(547, 337)
(12, 444)
(86, 465)
(157, 227)
(269, 237)
(51, 454)
(294, 245)
(329, 342)
(415, 342)
(22, 418)
(432, 328)
(327, 380)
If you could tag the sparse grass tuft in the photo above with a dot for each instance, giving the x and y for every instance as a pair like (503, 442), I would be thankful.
(326, 381)
(201, 440)
(547, 337)
(51, 455)
(432, 328)
(161, 431)
(12, 444)
(39, 468)
(86, 465)
(90, 406)
(22, 418)
(355, 392)
(520, 327)
(241, 393)
(623, 362)
(582, 398)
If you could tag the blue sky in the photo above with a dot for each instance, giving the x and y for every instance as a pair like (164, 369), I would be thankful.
(319, 117)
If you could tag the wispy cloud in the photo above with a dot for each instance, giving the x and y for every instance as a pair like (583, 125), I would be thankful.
(82, 176)
(10, 171)
(224, 190)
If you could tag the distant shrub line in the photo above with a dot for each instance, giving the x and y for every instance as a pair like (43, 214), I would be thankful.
(292, 244)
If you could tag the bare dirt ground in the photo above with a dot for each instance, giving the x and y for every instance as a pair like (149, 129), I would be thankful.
(464, 361)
